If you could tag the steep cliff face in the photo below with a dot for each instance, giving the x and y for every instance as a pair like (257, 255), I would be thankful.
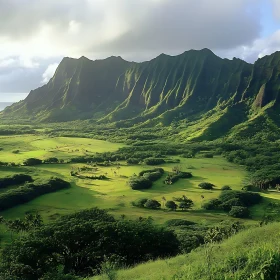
(193, 82)
(79, 88)
(164, 89)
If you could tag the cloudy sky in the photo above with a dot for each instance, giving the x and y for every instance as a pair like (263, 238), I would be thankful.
(35, 35)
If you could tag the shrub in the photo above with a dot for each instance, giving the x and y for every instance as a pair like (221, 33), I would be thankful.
(132, 161)
(213, 204)
(152, 204)
(239, 212)
(154, 161)
(30, 191)
(139, 183)
(51, 160)
(247, 198)
(186, 204)
(226, 188)
(153, 176)
(173, 178)
(140, 202)
(206, 186)
(170, 204)
(15, 180)
(32, 161)
(230, 203)
(251, 188)
(90, 236)
(160, 170)
(208, 155)
(179, 222)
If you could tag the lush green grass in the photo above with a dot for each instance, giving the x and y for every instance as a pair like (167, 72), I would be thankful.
(243, 256)
(114, 194)
(45, 147)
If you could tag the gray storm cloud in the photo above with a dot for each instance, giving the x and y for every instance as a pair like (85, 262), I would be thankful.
(41, 32)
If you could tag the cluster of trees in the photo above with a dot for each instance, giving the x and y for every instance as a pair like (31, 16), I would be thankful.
(145, 179)
(99, 177)
(184, 203)
(15, 180)
(81, 243)
(236, 203)
(29, 191)
(176, 175)
(36, 161)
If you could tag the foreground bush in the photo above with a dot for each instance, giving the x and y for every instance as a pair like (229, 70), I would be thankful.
(139, 183)
(82, 242)
(30, 191)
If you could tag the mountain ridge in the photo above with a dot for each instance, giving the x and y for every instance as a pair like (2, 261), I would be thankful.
(154, 92)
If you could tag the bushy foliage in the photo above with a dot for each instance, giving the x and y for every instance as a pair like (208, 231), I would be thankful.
(179, 222)
(246, 198)
(140, 202)
(132, 161)
(30, 191)
(139, 183)
(186, 204)
(251, 188)
(170, 204)
(15, 180)
(226, 188)
(212, 204)
(81, 242)
(51, 160)
(239, 212)
(206, 186)
(152, 204)
(153, 176)
(32, 161)
(174, 177)
(154, 161)
(230, 203)
(160, 170)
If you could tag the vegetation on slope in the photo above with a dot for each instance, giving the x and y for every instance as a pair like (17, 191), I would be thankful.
(250, 254)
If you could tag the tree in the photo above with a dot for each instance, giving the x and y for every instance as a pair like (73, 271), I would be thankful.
(239, 212)
(206, 186)
(32, 161)
(186, 204)
(226, 188)
(152, 204)
(170, 204)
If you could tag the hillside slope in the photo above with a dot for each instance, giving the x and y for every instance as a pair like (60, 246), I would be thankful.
(196, 86)
(251, 254)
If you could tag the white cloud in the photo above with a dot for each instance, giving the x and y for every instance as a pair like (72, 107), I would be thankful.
(48, 74)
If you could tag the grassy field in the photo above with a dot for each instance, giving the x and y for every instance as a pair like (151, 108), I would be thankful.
(114, 194)
(44, 147)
